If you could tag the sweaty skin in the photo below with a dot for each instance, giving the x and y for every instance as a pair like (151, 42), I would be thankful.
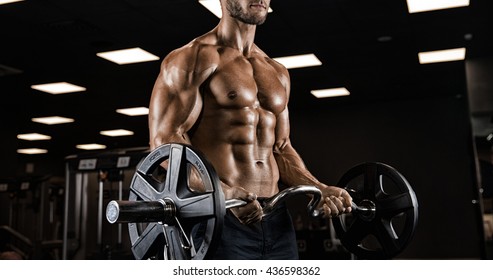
(223, 95)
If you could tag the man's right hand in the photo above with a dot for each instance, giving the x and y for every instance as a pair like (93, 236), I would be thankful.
(249, 213)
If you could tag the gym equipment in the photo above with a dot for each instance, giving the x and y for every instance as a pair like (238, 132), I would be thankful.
(28, 232)
(387, 223)
(168, 218)
(92, 179)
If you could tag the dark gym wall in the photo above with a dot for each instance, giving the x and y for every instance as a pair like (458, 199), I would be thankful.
(8, 162)
(8, 142)
(428, 140)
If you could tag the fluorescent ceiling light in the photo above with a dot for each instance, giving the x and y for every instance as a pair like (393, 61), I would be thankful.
(442, 56)
(137, 111)
(52, 120)
(32, 151)
(116, 132)
(298, 61)
(416, 6)
(91, 146)
(127, 56)
(33, 137)
(215, 7)
(9, 1)
(58, 88)
(332, 92)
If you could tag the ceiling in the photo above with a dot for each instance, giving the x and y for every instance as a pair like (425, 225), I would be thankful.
(369, 47)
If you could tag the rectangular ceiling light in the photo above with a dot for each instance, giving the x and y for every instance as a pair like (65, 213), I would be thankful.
(298, 61)
(58, 88)
(215, 7)
(127, 56)
(32, 151)
(137, 111)
(33, 137)
(116, 132)
(52, 120)
(9, 1)
(417, 6)
(92, 146)
(331, 92)
(442, 56)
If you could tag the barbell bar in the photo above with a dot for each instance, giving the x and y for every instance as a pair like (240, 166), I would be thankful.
(164, 211)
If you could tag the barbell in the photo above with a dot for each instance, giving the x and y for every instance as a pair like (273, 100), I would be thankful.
(168, 219)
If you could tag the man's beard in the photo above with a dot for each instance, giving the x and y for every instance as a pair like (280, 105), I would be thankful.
(234, 9)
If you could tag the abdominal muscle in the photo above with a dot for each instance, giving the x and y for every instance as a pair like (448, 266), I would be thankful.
(238, 143)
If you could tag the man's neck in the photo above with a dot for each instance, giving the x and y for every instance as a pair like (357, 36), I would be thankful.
(236, 34)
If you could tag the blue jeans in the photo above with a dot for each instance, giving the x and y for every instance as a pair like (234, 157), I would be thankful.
(272, 238)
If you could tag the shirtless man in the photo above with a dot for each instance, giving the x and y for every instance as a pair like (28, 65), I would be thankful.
(224, 96)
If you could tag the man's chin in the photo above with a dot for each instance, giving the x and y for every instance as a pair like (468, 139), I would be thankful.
(254, 21)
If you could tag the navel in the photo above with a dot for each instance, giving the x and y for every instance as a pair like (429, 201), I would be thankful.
(232, 94)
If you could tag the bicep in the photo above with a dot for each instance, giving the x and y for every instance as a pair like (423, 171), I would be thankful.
(282, 120)
(282, 130)
(173, 108)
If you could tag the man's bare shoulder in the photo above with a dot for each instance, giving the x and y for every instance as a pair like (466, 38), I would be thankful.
(197, 55)
(280, 68)
(262, 55)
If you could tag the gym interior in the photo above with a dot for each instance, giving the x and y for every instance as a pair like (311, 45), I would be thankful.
(431, 121)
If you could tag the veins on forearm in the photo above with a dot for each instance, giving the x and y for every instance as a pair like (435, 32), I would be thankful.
(292, 170)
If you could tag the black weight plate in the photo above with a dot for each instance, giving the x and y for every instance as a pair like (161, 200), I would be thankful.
(195, 231)
(385, 234)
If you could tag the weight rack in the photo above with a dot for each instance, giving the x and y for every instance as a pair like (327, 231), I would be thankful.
(89, 182)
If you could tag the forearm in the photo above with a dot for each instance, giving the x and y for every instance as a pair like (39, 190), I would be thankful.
(292, 170)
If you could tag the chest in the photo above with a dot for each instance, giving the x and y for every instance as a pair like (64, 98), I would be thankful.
(242, 82)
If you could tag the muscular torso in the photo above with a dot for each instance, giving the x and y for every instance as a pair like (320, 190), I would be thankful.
(236, 128)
